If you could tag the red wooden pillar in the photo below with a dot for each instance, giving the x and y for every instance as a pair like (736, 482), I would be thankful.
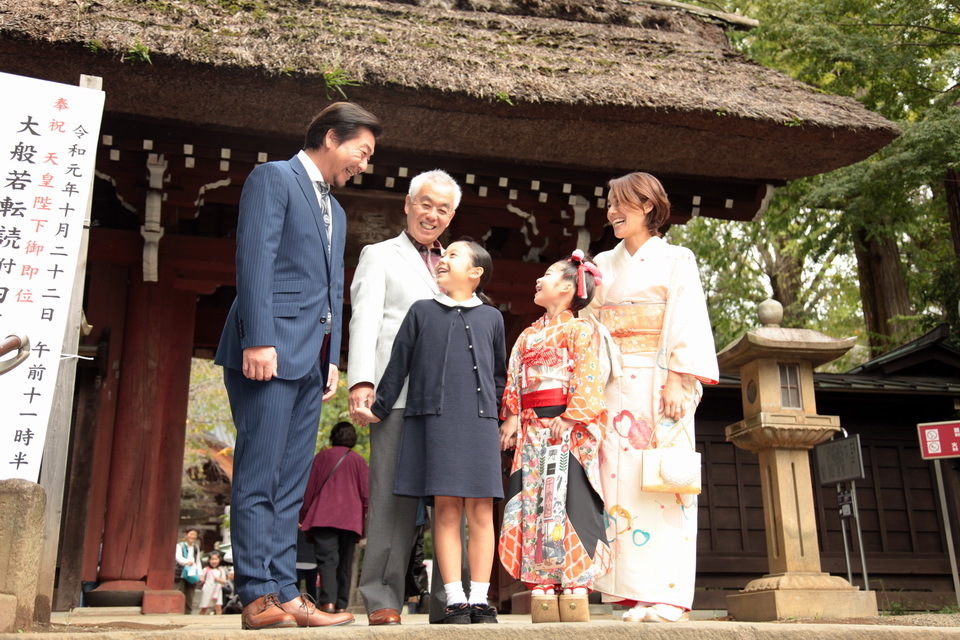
(92, 438)
(143, 496)
(107, 301)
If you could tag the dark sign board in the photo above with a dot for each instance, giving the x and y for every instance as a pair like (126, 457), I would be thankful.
(839, 460)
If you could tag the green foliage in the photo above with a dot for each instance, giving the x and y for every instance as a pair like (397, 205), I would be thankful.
(336, 78)
(794, 254)
(137, 52)
(503, 96)
(95, 46)
(902, 60)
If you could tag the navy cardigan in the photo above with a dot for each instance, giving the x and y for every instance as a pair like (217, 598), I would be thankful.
(420, 351)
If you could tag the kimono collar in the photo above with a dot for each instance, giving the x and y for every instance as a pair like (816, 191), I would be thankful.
(446, 300)
(563, 317)
(652, 245)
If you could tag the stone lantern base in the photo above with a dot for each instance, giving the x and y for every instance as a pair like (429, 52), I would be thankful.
(800, 595)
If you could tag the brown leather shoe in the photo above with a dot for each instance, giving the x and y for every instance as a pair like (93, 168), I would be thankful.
(265, 613)
(383, 616)
(328, 608)
(307, 615)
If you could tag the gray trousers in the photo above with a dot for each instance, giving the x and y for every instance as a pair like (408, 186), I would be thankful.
(391, 529)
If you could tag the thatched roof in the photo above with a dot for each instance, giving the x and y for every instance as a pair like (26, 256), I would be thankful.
(608, 61)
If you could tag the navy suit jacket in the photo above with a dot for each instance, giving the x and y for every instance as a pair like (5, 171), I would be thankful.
(287, 280)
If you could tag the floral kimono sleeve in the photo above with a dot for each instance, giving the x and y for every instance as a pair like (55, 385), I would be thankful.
(585, 398)
(511, 392)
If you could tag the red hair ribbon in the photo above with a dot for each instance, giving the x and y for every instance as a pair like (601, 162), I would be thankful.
(582, 265)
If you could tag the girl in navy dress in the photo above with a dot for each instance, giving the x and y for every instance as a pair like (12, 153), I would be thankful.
(452, 348)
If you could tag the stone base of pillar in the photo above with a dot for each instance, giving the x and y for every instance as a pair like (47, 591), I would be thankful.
(800, 595)
(8, 614)
(117, 593)
(22, 508)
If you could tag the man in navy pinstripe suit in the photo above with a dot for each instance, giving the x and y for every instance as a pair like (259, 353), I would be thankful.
(280, 348)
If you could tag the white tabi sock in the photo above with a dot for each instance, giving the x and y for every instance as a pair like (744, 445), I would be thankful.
(478, 592)
(455, 594)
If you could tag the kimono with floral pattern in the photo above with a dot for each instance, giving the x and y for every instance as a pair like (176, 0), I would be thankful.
(556, 354)
(653, 304)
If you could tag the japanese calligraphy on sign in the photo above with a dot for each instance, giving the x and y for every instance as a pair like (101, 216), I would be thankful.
(939, 440)
(48, 147)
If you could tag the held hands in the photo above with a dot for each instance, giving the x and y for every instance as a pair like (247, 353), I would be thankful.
(508, 433)
(671, 400)
(361, 397)
(259, 363)
(560, 426)
(365, 416)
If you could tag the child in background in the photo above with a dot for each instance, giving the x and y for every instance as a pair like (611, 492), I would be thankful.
(213, 578)
(453, 349)
(552, 537)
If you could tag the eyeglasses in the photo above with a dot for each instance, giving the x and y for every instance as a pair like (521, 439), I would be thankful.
(427, 207)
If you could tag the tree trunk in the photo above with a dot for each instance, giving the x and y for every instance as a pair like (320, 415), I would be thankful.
(952, 188)
(883, 291)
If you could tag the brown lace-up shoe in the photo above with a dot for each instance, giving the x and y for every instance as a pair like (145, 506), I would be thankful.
(306, 614)
(266, 613)
(383, 617)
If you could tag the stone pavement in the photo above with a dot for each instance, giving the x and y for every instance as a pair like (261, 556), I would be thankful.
(129, 624)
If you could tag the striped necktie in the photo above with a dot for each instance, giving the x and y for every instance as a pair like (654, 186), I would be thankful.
(324, 190)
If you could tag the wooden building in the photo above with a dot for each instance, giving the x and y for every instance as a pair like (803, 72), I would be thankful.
(532, 106)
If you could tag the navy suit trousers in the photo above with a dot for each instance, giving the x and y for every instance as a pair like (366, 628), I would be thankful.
(277, 425)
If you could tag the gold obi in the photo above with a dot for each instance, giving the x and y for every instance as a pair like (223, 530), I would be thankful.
(634, 327)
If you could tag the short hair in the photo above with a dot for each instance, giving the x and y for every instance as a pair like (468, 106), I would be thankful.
(343, 434)
(570, 270)
(637, 188)
(189, 529)
(345, 119)
(438, 176)
(214, 553)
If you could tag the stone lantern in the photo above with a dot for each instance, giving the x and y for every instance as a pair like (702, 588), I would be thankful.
(781, 425)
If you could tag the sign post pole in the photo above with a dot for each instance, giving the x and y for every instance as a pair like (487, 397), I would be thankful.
(863, 554)
(843, 534)
(839, 461)
(942, 440)
(947, 530)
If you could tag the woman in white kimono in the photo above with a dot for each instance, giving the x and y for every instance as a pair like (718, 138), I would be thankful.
(653, 304)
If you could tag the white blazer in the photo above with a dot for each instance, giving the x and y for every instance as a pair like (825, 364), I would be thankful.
(389, 278)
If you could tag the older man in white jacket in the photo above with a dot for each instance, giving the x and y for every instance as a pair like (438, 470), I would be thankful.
(391, 276)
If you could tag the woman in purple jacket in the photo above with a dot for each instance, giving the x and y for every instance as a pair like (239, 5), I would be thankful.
(334, 506)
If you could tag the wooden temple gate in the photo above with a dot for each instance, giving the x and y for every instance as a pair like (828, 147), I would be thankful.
(589, 93)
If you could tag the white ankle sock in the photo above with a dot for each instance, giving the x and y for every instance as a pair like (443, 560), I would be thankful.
(478, 592)
(455, 594)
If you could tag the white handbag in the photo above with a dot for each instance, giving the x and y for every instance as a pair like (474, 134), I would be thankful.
(671, 467)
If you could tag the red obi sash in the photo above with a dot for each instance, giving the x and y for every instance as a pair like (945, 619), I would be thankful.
(543, 398)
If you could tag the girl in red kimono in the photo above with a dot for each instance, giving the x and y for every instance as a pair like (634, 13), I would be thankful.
(553, 531)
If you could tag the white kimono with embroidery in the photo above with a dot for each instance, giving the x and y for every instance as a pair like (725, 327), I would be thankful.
(654, 306)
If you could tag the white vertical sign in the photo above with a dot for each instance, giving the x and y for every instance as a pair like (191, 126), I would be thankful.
(48, 149)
